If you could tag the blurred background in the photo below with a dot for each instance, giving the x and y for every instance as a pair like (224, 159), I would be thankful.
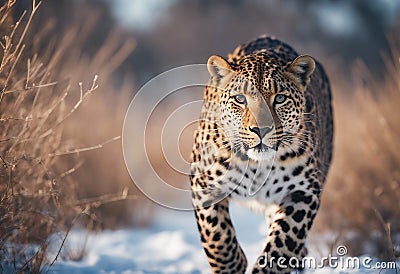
(128, 42)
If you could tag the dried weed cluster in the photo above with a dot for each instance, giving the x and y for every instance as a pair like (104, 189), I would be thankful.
(40, 107)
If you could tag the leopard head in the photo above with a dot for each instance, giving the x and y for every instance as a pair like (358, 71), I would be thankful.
(261, 101)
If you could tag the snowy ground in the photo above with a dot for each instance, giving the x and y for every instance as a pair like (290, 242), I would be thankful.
(170, 245)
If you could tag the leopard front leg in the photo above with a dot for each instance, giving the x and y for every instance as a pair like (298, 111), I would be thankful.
(287, 233)
(219, 239)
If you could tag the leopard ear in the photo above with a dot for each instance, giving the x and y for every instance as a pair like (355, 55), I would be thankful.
(301, 69)
(219, 68)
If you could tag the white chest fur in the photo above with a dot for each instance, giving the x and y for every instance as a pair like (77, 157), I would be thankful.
(260, 185)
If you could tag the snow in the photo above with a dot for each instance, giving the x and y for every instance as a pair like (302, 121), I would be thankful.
(169, 245)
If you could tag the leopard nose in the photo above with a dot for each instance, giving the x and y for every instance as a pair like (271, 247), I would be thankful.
(261, 132)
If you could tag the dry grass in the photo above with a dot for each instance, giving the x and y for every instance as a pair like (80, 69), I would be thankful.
(361, 201)
(42, 104)
(35, 200)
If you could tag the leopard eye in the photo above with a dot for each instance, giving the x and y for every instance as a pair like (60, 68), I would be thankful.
(280, 98)
(240, 98)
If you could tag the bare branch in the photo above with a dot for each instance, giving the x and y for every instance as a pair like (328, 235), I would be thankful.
(82, 98)
(107, 198)
(84, 211)
(78, 150)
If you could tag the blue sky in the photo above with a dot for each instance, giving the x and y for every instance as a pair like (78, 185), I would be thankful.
(139, 14)
(335, 17)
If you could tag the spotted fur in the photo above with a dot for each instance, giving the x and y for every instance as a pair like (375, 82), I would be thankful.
(264, 140)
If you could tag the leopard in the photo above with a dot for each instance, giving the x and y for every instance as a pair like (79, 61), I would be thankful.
(264, 140)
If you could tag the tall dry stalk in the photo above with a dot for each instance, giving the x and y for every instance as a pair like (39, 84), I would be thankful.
(38, 196)
(362, 197)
